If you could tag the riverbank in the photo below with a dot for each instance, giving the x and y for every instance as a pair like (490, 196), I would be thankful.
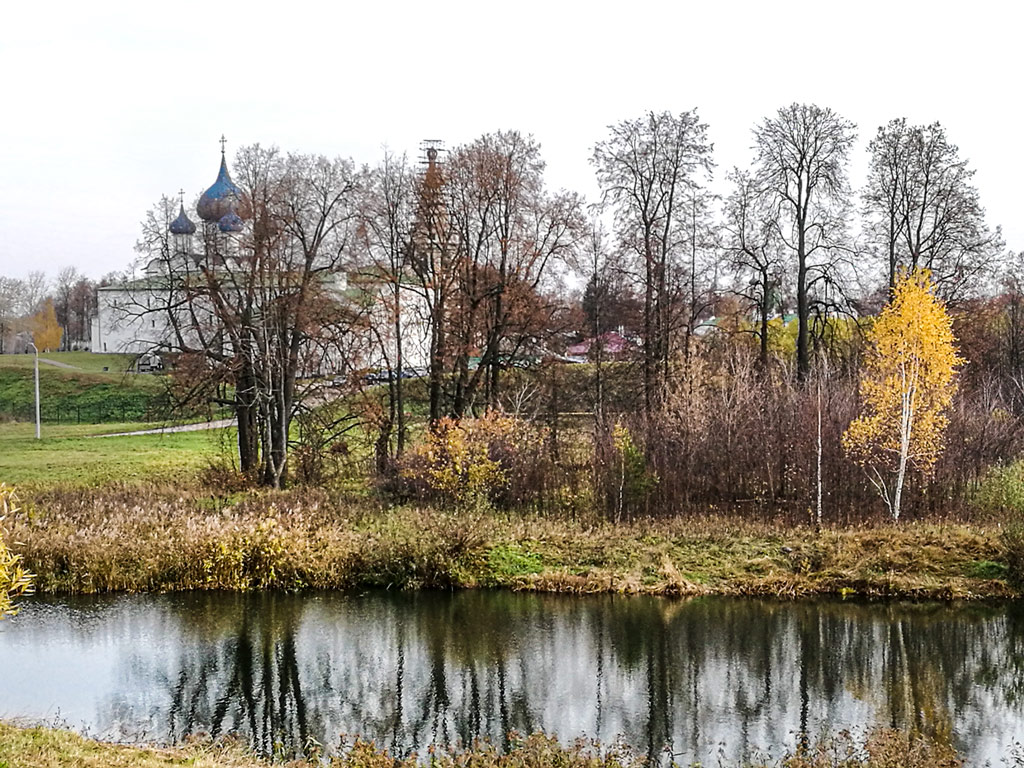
(34, 747)
(37, 747)
(164, 538)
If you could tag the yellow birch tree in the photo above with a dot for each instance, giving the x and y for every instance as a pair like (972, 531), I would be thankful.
(46, 331)
(906, 388)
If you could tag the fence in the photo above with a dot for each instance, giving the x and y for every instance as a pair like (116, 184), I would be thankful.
(92, 413)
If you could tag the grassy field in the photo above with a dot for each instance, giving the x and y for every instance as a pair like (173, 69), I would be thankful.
(84, 393)
(68, 455)
(51, 748)
(111, 364)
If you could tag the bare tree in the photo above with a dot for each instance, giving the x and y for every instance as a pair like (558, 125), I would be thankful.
(753, 247)
(596, 263)
(63, 287)
(81, 307)
(258, 303)
(923, 210)
(386, 219)
(509, 230)
(801, 160)
(35, 288)
(11, 292)
(647, 169)
(699, 264)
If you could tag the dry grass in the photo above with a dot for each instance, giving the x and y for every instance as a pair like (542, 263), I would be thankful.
(49, 748)
(164, 538)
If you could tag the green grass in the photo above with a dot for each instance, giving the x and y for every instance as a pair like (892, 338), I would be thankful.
(67, 455)
(116, 364)
(507, 561)
(987, 569)
(78, 396)
(15, 430)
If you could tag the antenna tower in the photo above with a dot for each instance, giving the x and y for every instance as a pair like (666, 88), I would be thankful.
(431, 150)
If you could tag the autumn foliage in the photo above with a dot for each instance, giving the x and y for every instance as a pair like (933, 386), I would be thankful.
(906, 388)
(14, 580)
(496, 458)
(46, 331)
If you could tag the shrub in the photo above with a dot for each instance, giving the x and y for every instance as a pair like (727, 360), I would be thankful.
(1001, 491)
(494, 459)
(1012, 538)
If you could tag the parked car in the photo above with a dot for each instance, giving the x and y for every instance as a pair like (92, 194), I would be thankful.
(148, 363)
(378, 377)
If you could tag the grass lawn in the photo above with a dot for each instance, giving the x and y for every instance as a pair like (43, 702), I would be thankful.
(83, 393)
(67, 454)
(115, 364)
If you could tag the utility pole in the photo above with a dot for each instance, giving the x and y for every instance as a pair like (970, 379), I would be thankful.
(36, 350)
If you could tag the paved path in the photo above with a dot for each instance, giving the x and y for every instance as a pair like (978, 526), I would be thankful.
(59, 365)
(220, 424)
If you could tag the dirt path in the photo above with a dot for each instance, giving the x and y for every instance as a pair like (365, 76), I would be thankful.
(219, 424)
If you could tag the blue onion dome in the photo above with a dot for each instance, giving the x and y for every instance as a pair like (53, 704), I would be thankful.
(220, 199)
(230, 222)
(182, 225)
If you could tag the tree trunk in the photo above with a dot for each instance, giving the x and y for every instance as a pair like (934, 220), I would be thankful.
(437, 352)
(400, 365)
(764, 323)
(803, 310)
(650, 351)
(245, 412)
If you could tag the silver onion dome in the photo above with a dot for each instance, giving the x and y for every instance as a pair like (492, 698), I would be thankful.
(182, 225)
(230, 222)
(222, 198)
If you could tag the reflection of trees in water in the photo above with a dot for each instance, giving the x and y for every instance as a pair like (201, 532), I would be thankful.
(244, 678)
(410, 670)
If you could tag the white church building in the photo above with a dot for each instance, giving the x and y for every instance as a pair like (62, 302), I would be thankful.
(138, 316)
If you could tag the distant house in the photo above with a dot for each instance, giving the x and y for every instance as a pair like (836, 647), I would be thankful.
(612, 344)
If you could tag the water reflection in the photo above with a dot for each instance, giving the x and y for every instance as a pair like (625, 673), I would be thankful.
(706, 677)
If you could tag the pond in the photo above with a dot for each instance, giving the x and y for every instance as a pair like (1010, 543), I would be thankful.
(710, 679)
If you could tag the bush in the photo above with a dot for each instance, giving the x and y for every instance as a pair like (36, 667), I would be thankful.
(495, 459)
(1001, 491)
(1012, 538)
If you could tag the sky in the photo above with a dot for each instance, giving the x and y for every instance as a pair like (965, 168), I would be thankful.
(109, 105)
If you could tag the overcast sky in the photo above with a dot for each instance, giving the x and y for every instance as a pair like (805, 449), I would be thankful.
(107, 106)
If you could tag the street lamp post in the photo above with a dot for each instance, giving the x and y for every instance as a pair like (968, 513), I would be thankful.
(36, 350)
